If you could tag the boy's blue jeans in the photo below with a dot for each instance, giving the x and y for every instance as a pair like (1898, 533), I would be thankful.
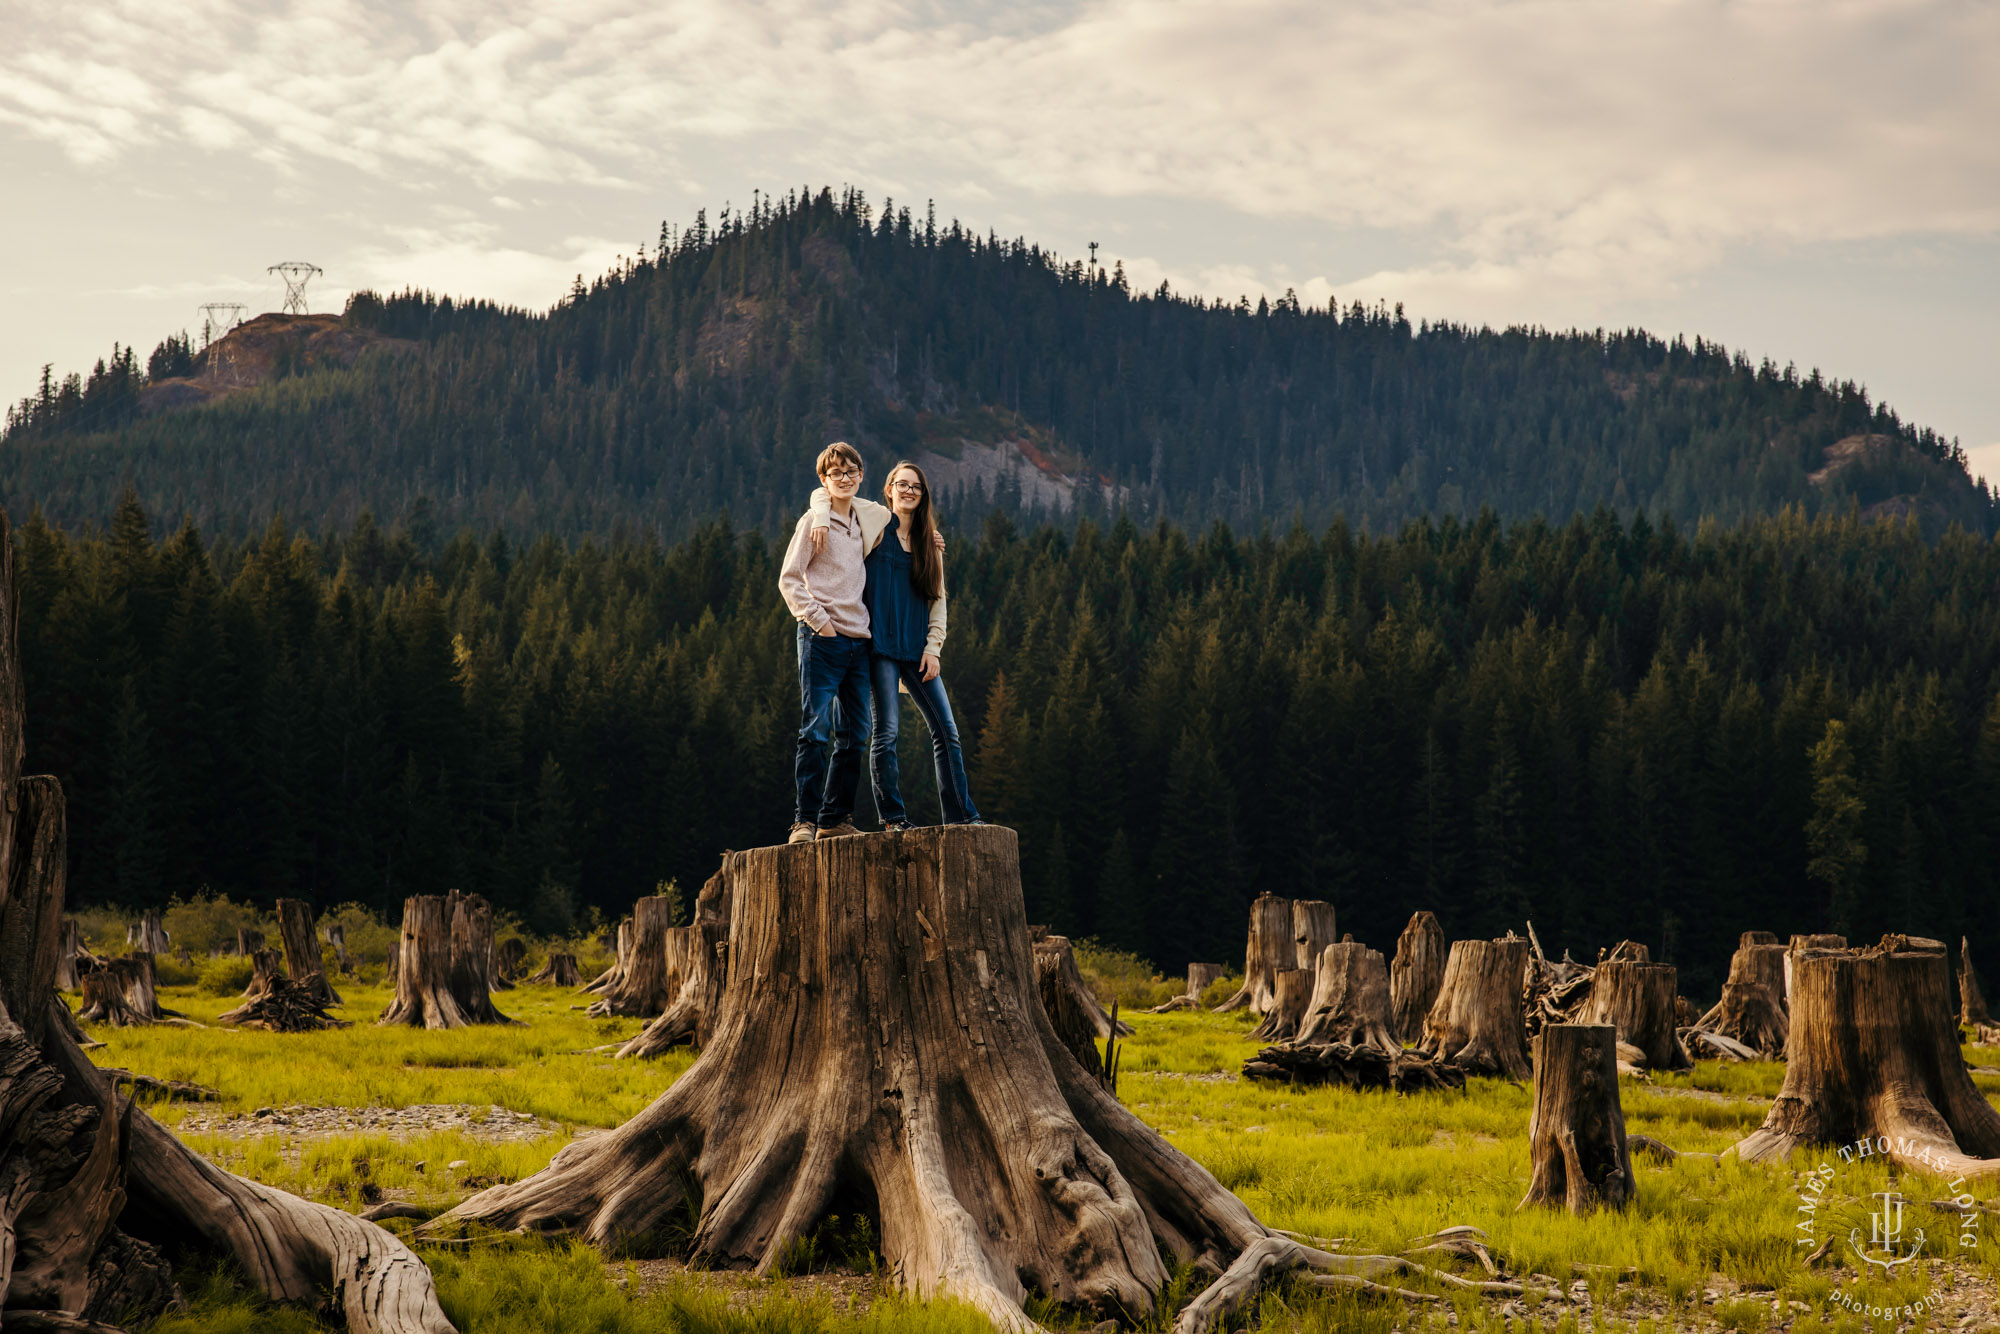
(935, 706)
(833, 706)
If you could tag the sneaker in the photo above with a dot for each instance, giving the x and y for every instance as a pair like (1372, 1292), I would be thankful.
(898, 827)
(802, 832)
(841, 830)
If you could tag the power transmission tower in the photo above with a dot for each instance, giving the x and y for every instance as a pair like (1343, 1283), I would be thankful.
(217, 319)
(296, 273)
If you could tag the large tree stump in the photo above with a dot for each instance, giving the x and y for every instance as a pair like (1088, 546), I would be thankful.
(511, 958)
(1972, 1012)
(302, 958)
(1350, 1001)
(646, 982)
(1270, 948)
(147, 935)
(691, 1018)
(106, 996)
(93, 1186)
(1288, 1007)
(1638, 1000)
(1061, 1003)
(614, 976)
(1576, 1133)
(1416, 974)
(1808, 942)
(444, 960)
(1873, 1055)
(559, 971)
(1476, 1022)
(1752, 1009)
(880, 1047)
(1312, 931)
(248, 942)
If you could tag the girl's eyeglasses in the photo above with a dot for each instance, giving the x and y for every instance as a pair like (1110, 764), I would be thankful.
(908, 488)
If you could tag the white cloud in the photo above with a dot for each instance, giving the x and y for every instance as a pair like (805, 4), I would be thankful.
(1611, 147)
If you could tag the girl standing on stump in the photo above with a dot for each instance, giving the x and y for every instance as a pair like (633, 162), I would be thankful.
(904, 595)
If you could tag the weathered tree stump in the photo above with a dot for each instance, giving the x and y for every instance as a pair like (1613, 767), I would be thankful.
(1808, 942)
(1576, 1133)
(336, 939)
(1476, 1022)
(1638, 1000)
(1873, 1055)
(264, 965)
(106, 996)
(1350, 1001)
(614, 976)
(646, 983)
(248, 942)
(72, 959)
(880, 1043)
(691, 1018)
(1199, 976)
(1288, 1007)
(147, 935)
(302, 958)
(1269, 948)
(93, 1185)
(559, 971)
(1972, 1012)
(1064, 964)
(1312, 931)
(1752, 1009)
(444, 959)
(1060, 1002)
(1416, 974)
(510, 959)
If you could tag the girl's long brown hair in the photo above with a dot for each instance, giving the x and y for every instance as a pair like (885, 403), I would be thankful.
(926, 566)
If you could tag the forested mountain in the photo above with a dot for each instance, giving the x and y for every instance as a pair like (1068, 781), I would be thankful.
(1615, 728)
(701, 380)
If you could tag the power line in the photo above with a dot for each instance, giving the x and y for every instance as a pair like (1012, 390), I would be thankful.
(296, 273)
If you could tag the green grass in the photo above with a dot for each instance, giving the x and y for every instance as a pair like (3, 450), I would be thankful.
(1375, 1170)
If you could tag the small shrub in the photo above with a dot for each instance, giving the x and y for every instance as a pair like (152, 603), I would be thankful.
(1220, 990)
(370, 940)
(209, 921)
(171, 972)
(1120, 975)
(226, 976)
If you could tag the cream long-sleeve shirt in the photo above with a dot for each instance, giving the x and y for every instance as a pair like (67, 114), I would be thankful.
(874, 519)
(823, 588)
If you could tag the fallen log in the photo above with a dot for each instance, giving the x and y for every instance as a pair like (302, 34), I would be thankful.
(283, 1006)
(1355, 1067)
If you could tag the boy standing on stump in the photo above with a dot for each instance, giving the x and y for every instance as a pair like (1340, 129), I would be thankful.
(822, 583)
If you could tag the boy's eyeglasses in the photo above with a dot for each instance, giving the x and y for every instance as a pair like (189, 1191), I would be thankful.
(908, 488)
(843, 474)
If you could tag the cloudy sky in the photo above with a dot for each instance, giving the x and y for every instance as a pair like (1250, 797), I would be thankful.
(1816, 182)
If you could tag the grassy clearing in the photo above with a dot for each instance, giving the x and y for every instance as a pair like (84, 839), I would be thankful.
(1376, 1171)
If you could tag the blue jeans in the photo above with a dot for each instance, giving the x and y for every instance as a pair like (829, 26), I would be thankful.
(932, 702)
(833, 706)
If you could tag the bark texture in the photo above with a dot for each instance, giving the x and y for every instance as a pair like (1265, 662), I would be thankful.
(614, 976)
(690, 1019)
(1476, 1022)
(302, 958)
(647, 979)
(1064, 963)
(1312, 931)
(248, 942)
(1752, 1009)
(511, 958)
(1638, 1000)
(1576, 1132)
(444, 962)
(1873, 1053)
(880, 1045)
(1288, 1009)
(89, 1184)
(559, 971)
(1269, 948)
(72, 959)
(281, 1006)
(1350, 1001)
(1416, 974)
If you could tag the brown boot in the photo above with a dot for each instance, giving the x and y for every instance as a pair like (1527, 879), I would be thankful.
(802, 832)
(841, 830)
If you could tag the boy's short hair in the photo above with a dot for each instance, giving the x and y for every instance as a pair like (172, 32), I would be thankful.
(838, 452)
